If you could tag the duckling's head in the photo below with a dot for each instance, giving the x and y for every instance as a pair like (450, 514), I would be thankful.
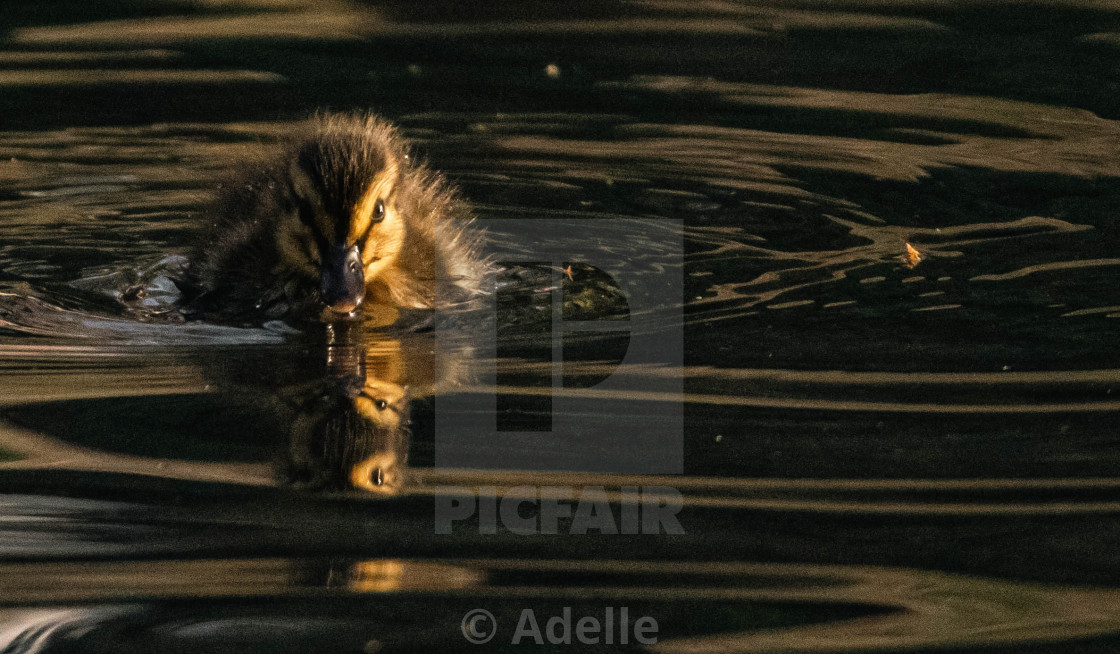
(345, 228)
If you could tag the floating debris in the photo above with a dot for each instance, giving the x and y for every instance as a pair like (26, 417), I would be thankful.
(913, 257)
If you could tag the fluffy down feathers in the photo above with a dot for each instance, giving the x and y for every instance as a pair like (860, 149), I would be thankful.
(342, 180)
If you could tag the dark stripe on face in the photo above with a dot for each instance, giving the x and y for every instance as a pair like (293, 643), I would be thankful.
(306, 215)
(332, 228)
(341, 227)
(336, 169)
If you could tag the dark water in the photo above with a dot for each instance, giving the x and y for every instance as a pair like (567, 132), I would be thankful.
(880, 452)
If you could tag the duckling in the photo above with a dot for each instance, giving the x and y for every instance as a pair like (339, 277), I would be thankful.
(345, 219)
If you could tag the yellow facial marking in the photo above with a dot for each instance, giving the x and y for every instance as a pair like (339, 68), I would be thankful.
(381, 188)
(381, 402)
(379, 473)
(380, 241)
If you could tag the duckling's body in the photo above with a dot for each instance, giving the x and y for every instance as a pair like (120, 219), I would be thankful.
(344, 220)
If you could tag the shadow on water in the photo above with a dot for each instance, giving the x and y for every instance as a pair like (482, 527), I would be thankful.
(17, 15)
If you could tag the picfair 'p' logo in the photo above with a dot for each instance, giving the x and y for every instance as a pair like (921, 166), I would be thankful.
(579, 359)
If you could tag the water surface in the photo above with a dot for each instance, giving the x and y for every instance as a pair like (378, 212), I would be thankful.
(881, 451)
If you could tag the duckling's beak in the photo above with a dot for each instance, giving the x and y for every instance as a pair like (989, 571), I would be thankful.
(341, 280)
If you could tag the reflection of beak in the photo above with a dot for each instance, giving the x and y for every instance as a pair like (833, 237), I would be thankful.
(341, 280)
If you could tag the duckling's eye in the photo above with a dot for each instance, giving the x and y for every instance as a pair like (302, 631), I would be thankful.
(379, 211)
(380, 404)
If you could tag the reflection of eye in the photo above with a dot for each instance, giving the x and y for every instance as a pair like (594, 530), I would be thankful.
(379, 211)
(380, 404)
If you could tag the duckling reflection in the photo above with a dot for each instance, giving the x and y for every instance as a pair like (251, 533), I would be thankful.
(351, 429)
(334, 445)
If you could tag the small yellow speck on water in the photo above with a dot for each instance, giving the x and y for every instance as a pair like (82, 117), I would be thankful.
(913, 257)
(719, 437)
(552, 70)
